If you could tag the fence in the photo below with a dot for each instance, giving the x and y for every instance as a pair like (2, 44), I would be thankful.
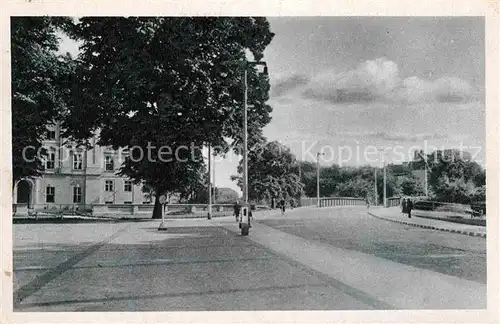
(51, 209)
(396, 201)
(393, 201)
(106, 209)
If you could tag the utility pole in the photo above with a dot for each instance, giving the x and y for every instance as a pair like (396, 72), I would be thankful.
(424, 157)
(215, 187)
(317, 177)
(376, 188)
(385, 177)
(209, 184)
(426, 183)
(300, 177)
(385, 183)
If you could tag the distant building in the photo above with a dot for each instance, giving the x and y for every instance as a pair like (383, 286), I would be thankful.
(78, 177)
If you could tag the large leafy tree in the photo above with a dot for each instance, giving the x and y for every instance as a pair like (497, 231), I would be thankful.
(40, 87)
(168, 82)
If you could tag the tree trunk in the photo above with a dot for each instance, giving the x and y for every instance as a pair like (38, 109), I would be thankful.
(157, 208)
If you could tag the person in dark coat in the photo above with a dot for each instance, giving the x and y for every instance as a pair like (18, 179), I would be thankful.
(282, 206)
(237, 209)
(292, 203)
(273, 203)
(403, 206)
(409, 207)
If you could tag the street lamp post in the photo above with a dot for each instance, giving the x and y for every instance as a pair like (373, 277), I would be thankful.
(245, 139)
(376, 188)
(245, 127)
(317, 177)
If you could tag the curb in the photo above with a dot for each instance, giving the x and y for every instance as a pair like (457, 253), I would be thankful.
(430, 227)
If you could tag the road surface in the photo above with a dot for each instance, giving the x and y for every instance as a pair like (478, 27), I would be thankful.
(332, 259)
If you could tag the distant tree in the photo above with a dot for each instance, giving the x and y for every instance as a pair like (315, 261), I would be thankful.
(452, 178)
(454, 190)
(226, 195)
(410, 186)
(271, 172)
(479, 194)
(40, 87)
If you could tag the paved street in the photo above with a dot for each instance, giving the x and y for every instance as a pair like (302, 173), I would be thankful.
(349, 229)
(331, 259)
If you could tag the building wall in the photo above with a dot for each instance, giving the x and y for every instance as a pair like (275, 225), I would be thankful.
(91, 178)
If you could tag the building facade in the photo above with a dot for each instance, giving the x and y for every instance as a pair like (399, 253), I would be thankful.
(78, 176)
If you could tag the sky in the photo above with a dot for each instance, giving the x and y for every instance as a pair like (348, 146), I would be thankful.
(350, 86)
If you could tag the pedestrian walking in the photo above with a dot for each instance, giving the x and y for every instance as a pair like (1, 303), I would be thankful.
(282, 205)
(409, 207)
(403, 206)
(237, 209)
(367, 203)
(292, 203)
(273, 203)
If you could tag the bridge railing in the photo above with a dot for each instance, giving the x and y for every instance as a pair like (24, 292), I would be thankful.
(341, 201)
(332, 201)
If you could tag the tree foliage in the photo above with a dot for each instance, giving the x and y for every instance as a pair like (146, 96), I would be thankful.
(40, 87)
(410, 186)
(453, 178)
(168, 82)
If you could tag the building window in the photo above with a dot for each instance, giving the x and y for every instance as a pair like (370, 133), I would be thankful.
(109, 163)
(128, 186)
(50, 194)
(108, 185)
(51, 135)
(77, 161)
(50, 160)
(77, 195)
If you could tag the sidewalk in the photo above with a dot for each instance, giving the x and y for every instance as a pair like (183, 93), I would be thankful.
(393, 214)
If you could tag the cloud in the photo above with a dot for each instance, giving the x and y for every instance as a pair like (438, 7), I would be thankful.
(402, 137)
(288, 83)
(374, 80)
(393, 136)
